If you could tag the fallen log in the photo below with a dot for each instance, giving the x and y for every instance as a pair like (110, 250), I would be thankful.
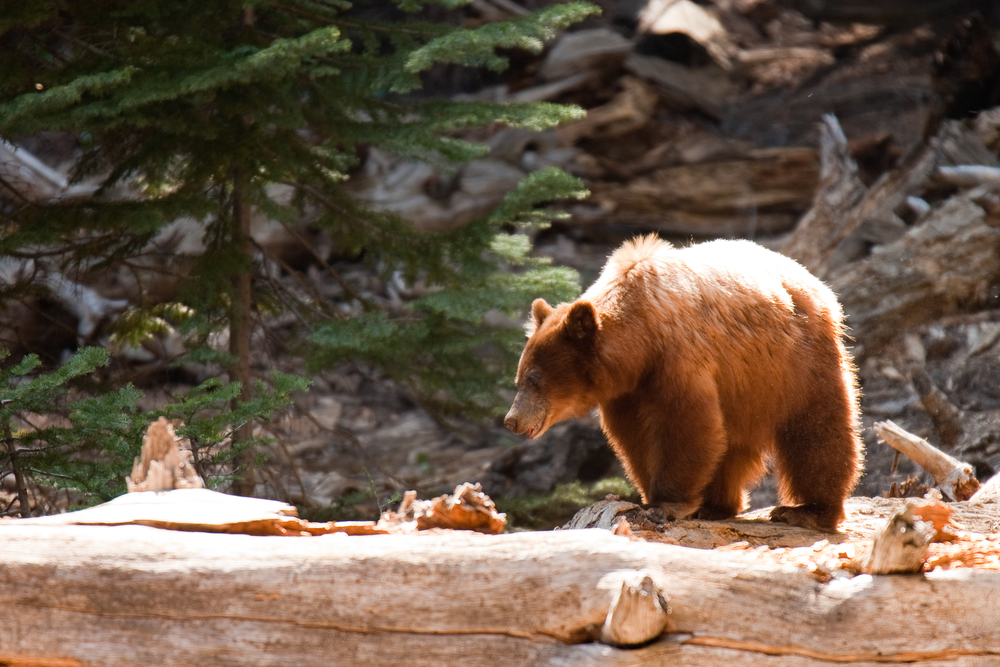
(92, 595)
(825, 239)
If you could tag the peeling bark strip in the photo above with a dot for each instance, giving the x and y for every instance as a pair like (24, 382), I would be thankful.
(92, 594)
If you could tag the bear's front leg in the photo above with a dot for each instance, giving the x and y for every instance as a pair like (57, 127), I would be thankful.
(669, 435)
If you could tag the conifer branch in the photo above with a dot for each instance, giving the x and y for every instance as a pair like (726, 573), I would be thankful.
(330, 204)
(9, 187)
(292, 304)
(291, 463)
(349, 437)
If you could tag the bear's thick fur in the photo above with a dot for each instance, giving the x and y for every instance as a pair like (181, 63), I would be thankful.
(703, 361)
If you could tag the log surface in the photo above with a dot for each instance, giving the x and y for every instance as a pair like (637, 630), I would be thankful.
(133, 595)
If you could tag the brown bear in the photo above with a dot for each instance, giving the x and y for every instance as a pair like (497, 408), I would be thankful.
(703, 361)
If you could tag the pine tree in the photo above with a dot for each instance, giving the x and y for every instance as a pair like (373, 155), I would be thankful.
(193, 108)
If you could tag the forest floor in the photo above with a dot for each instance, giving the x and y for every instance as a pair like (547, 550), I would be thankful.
(699, 126)
(693, 132)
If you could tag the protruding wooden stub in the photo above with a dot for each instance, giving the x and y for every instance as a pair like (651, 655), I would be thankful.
(902, 546)
(638, 613)
(163, 466)
(956, 480)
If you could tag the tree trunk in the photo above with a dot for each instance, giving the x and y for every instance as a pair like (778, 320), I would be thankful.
(241, 327)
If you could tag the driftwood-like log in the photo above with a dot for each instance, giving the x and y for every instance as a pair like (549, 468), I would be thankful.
(25, 178)
(626, 112)
(585, 51)
(956, 480)
(202, 510)
(946, 416)
(709, 198)
(826, 237)
(684, 88)
(133, 595)
(989, 492)
(836, 230)
(969, 176)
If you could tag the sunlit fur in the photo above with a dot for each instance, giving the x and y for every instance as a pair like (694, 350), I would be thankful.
(703, 361)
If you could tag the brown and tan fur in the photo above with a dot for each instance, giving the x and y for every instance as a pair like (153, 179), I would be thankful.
(703, 361)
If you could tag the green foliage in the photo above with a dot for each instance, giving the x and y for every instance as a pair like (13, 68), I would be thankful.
(476, 48)
(57, 436)
(210, 418)
(194, 108)
(441, 346)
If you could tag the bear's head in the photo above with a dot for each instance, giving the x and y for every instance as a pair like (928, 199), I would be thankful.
(554, 377)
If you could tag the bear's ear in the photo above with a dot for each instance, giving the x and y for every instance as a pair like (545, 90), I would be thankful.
(540, 309)
(581, 321)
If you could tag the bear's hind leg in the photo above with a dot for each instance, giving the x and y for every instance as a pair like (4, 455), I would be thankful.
(817, 456)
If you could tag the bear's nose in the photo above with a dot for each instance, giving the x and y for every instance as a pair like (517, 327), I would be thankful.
(510, 421)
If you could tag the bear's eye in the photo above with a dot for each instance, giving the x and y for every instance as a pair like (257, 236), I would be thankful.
(533, 377)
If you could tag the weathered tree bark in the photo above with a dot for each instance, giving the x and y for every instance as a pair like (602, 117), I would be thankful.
(746, 195)
(846, 217)
(840, 190)
(133, 595)
(940, 267)
(946, 416)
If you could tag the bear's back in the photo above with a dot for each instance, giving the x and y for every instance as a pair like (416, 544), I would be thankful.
(719, 278)
(745, 315)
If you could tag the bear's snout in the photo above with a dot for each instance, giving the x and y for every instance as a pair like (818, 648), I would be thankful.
(526, 415)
